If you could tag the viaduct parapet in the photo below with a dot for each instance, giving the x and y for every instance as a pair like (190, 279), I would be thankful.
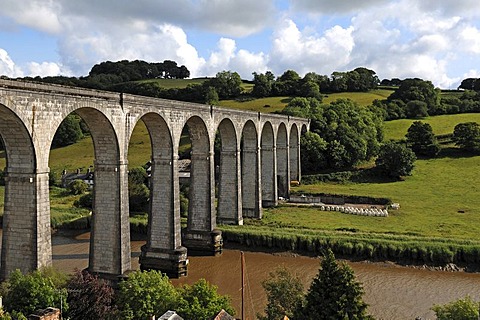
(259, 156)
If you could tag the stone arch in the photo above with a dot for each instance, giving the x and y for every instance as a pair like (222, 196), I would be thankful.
(163, 249)
(199, 234)
(229, 185)
(250, 168)
(269, 166)
(110, 227)
(26, 240)
(294, 147)
(283, 171)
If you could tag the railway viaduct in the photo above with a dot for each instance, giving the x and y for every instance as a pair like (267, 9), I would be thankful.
(259, 156)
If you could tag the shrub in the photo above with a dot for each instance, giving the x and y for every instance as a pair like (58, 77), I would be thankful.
(461, 309)
(77, 187)
(85, 201)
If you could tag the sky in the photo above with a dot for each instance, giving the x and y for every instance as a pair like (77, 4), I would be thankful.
(436, 40)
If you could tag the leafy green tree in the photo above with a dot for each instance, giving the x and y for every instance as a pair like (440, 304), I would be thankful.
(144, 294)
(284, 294)
(211, 97)
(228, 84)
(68, 132)
(353, 133)
(313, 152)
(395, 160)
(334, 294)
(89, 298)
(138, 192)
(201, 301)
(416, 109)
(421, 140)
(467, 136)
(461, 309)
(262, 84)
(420, 90)
(302, 107)
(33, 291)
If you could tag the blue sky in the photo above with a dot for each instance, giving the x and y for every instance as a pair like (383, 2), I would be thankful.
(431, 39)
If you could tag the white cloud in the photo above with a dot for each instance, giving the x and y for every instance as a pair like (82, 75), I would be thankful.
(38, 14)
(303, 51)
(470, 37)
(45, 69)
(7, 66)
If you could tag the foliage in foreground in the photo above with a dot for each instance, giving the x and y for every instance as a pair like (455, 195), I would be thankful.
(334, 294)
(145, 294)
(284, 294)
(23, 294)
(461, 309)
(89, 298)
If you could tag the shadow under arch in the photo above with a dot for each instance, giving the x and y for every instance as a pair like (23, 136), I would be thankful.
(26, 239)
(268, 166)
(163, 249)
(229, 210)
(251, 196)
(283, 171)
(294, 154)
(200, 234)
(110, 226)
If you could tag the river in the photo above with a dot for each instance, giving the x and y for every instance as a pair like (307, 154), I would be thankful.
(392, 292)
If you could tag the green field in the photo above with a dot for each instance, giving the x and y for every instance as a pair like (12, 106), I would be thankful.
(396, 129)
(362, 98)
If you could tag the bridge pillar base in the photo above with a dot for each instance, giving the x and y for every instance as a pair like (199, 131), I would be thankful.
(203, 242)
(231, 221)
(171, 262)
(269, 203)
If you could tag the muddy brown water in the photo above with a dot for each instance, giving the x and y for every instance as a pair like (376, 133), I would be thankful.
(392, 292)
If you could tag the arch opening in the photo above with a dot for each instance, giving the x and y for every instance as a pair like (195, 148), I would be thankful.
(227, 167)
(250, 171)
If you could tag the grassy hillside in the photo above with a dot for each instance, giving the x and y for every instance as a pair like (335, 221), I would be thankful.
(362, 98)
(443, 124)
(440, 199)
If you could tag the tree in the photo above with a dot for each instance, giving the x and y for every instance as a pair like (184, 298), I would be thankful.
(284, 294)
(211, 97)
(33, 291)
(313, 152)
(395, 160)
(467, 136)
(226, 83)
(89, 298)
(334, 293)
(262, 84)
(421, 140)
(201, 301)
(138, 192)
(144, 294)
(416, 109)
(352, 132)
(68, 132)
(461, 309)
(420, 90)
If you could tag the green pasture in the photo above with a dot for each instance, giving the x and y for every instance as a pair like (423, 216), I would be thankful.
(266, 105)
(444, 124)
(362, 98)
(441, 199)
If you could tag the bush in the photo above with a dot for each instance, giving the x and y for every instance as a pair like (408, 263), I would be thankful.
(461, 309)
(77, 187)
(395, 160)
(85, 201)
(30, 292)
